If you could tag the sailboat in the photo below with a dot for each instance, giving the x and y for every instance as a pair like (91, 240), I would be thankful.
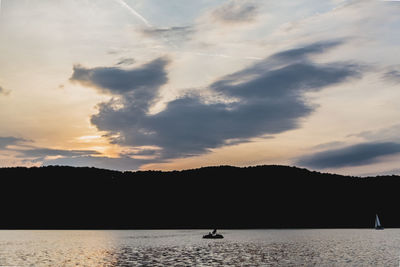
(213, 235)
(378, 225)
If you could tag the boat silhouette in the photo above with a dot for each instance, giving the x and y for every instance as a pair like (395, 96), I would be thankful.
(213, 235)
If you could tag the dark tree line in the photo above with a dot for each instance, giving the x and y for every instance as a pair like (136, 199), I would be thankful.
(222, 197)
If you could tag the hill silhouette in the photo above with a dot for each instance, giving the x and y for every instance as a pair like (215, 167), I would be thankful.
(59, 197)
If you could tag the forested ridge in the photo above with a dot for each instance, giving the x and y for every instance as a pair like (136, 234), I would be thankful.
(60, 197)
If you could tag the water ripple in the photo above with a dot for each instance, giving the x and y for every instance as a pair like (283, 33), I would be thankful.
(186, 248)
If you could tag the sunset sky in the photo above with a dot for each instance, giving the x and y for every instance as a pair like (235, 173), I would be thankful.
(177, 84)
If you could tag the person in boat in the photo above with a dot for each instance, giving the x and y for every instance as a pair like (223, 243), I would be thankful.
(213, 234)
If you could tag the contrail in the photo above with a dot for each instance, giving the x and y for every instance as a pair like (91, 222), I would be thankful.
(134, 12)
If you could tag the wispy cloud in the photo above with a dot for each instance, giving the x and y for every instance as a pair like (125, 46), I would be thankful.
(126, 61)
(236, 11)
(46, 152)
(25, 150)
(393, 75)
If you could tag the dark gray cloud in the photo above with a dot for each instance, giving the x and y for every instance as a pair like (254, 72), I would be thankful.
(286, 81)
(268, 100)
(290, 59)
(355, 155)
(119, 81)
(301, 53)
(236, 11)
(10, 140)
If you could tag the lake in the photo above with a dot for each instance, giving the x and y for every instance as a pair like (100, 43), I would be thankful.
(333, 247)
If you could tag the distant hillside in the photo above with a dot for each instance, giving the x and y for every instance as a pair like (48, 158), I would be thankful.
(223, 197)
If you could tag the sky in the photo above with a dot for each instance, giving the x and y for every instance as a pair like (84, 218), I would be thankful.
(165, 85)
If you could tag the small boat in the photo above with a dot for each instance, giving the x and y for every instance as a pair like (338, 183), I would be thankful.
(378, 225)
(213, 235)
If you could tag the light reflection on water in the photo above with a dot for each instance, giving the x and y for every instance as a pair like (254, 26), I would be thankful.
(351, 247)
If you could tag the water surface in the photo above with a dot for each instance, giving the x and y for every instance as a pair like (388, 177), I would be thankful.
(336, 247)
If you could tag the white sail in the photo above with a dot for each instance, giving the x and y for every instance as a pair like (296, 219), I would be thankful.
(377, 222)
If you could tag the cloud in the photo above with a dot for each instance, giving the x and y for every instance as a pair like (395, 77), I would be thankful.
(24, 151)
(10, 140)
(301, 53)
(114, 80)
(392, 75)
(288, 81)
(354, 155)
(38, 154)
(236, 11)
(28, 151)
(265, 98)
(46, 152)
(4, 91)
(126, 61)
(119, 163)
(169, 34)
(143, 152)
(391, 133)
